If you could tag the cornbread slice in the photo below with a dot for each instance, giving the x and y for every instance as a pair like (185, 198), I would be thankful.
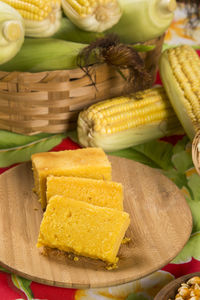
(97, 192)
(87, 163)
(83, 228)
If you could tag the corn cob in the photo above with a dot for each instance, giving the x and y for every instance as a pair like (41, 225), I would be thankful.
(70, 32)
(11, 32)
(92, 15)
(180, 73)
(41, 17)
(143, 20)
(127, 121)
(46, 54)
(133, 21)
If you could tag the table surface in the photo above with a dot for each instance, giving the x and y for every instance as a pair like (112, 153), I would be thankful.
(178, 167)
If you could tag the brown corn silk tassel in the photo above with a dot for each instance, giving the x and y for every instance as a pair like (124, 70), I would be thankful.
(122, 57)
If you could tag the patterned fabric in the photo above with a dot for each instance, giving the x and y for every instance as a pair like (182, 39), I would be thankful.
(180, 31)
(181, 171)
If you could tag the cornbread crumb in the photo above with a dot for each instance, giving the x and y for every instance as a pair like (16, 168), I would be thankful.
(76, 258)
(126, 240)
(112, 266)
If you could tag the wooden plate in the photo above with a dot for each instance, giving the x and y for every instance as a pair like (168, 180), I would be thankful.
(161, 224)
(170, 290)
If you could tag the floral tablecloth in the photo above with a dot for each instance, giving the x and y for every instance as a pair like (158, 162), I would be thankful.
(177, 166)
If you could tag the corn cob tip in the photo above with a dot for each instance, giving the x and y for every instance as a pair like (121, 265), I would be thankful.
(89, 15)
(12, 30)
(168, 5)
(41, 17)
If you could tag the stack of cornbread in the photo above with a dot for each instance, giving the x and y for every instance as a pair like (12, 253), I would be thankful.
(83, 206)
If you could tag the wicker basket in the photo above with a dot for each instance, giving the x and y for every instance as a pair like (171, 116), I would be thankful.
(196, 152)
(50, 101)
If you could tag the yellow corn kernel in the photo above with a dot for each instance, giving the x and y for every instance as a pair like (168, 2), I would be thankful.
(41, 17)
(95, 108)
(126, 121)
(87, 7)
(194, 280)
(112, 116)
(93, 15)
(189, 290)
(180, 72)
(31, 10)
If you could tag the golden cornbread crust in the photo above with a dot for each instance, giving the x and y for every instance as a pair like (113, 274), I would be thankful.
(70, 159)
(84, 229)
(96, 192)
(87, 163)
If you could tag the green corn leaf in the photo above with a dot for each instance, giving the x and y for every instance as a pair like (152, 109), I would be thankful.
(73, 136)
(182, 161)
(177, 177)
(191, 249)
(181, 145)
(10, 139)
(195, 210)
(143, 48)
(23, 153)
(168, 46)
(156, 154)
(194, 184)
(131, 153)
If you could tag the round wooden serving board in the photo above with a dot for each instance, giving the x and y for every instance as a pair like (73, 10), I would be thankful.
(161, 224)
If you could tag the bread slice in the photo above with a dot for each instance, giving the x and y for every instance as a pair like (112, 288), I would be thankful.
(82, 228)
(87, 163)
(93, 191)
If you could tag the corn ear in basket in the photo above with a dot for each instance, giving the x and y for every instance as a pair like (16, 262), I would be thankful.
(45, 54)
(89, 15)
(133, 21)
(11, 32)
(41, 17)
(143, 20)
(180, 73)
(123, 122)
